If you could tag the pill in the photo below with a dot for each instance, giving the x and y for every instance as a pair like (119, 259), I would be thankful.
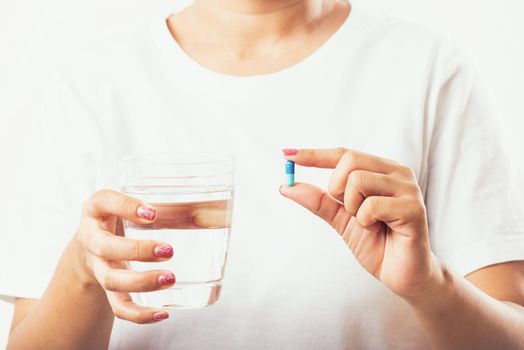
(290, 172)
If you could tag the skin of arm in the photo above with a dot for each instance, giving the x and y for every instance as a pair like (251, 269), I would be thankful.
(482, 311)
(46, 323)
(374, 204)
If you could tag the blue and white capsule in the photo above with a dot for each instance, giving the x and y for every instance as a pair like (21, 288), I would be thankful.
(290, 172)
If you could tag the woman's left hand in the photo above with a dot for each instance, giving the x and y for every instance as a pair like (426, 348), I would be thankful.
(377, 207)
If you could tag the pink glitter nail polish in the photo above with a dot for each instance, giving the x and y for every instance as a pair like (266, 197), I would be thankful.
(166, 279)
(146, 213)
(160, 316)
(290, 151)
(164, 251)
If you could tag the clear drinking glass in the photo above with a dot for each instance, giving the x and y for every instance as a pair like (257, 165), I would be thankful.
(193, 196)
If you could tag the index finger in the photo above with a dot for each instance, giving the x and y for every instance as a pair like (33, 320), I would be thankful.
(341, 159)
(111, 203)
(318, 158)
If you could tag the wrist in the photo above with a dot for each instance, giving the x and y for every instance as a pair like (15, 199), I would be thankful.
(81, 273)
(436, 289)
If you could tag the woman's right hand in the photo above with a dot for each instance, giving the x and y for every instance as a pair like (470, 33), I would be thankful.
(105, 253)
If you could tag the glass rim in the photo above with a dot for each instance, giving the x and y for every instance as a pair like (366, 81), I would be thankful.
(170, 158)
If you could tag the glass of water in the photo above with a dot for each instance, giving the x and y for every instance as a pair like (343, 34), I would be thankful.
(193, 196)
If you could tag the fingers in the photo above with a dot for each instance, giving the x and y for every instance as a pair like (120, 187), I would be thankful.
(394, 211)
(357, 176)
(354, 161)
(319, 202)
(120, 280)
(344, 162)
(110, 247)
(106, 203)
(362, 184)
(374, 190)
(124, 308)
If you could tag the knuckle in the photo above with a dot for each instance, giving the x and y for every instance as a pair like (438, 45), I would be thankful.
(104, 193)
(334, 190)
(136, 250)
(412, 189)
(138, 247)
(351, 156)
(412, 174)
(92, 244)
(419, 207)
(341, 151)
(98, 201)
(391, 161)
(356, 178)
(107, 283)
(407, 172)
(364, 216)
(350, 208)
(316, 156)
(100, 196)
(415, 208)
(95, 247)
(129, 206)
(373, 204)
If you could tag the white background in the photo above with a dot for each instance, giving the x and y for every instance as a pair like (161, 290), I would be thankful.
(33, 34)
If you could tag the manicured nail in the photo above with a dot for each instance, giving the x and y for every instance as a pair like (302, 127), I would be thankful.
(164, 251)
(166, 279)
(146, 213)
(290, 151)
(160, 316)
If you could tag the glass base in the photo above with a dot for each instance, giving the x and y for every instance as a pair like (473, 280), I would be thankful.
(181, 296)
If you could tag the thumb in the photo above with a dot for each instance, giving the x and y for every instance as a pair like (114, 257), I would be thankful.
(318, 201)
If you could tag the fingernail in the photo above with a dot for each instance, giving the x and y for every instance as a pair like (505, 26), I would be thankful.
(166, 279)
(290, 151)
(160, 316)
(146, 213)
(164, 251)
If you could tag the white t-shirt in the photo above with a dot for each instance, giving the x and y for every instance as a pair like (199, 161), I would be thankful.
(378, 85)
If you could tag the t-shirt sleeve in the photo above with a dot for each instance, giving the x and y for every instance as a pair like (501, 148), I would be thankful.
(473, 195)
(52, 173)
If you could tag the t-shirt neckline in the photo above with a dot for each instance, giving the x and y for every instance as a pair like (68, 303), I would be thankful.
(175, 56)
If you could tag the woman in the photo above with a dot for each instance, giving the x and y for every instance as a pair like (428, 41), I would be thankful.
(420, 192)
